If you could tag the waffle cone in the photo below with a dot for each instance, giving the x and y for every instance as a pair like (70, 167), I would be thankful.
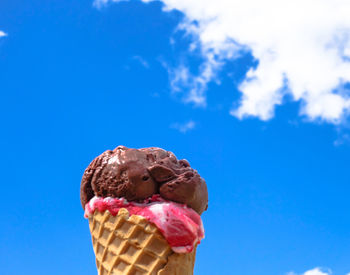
(130, 245)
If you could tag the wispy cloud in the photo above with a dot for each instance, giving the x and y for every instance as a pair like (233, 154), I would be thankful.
(101, 3)
(2, 34)
(184, 127)
(341, 140)
(302, 48)
(181, 79)
(141, 60)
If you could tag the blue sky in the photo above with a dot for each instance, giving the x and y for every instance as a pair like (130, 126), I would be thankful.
(78, 79)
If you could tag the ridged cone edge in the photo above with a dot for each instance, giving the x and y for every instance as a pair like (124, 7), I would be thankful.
(177, 263)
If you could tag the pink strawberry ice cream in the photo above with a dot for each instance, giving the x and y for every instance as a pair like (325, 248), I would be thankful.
(152, 183)
(181, 226)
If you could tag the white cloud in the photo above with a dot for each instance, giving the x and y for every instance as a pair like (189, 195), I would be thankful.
(315, 271)
(184, 127)
(2, 33)
(302, 46)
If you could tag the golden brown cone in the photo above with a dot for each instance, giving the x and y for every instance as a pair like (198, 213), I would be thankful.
(130, 245)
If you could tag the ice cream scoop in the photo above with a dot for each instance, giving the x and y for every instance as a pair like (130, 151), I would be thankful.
(137, 174)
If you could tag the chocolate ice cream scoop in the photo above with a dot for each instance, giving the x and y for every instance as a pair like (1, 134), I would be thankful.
(137, 174)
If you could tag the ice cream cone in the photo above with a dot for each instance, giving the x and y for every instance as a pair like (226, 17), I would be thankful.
(131, 245)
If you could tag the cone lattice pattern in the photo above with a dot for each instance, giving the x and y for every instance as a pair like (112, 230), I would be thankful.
(133, 246)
